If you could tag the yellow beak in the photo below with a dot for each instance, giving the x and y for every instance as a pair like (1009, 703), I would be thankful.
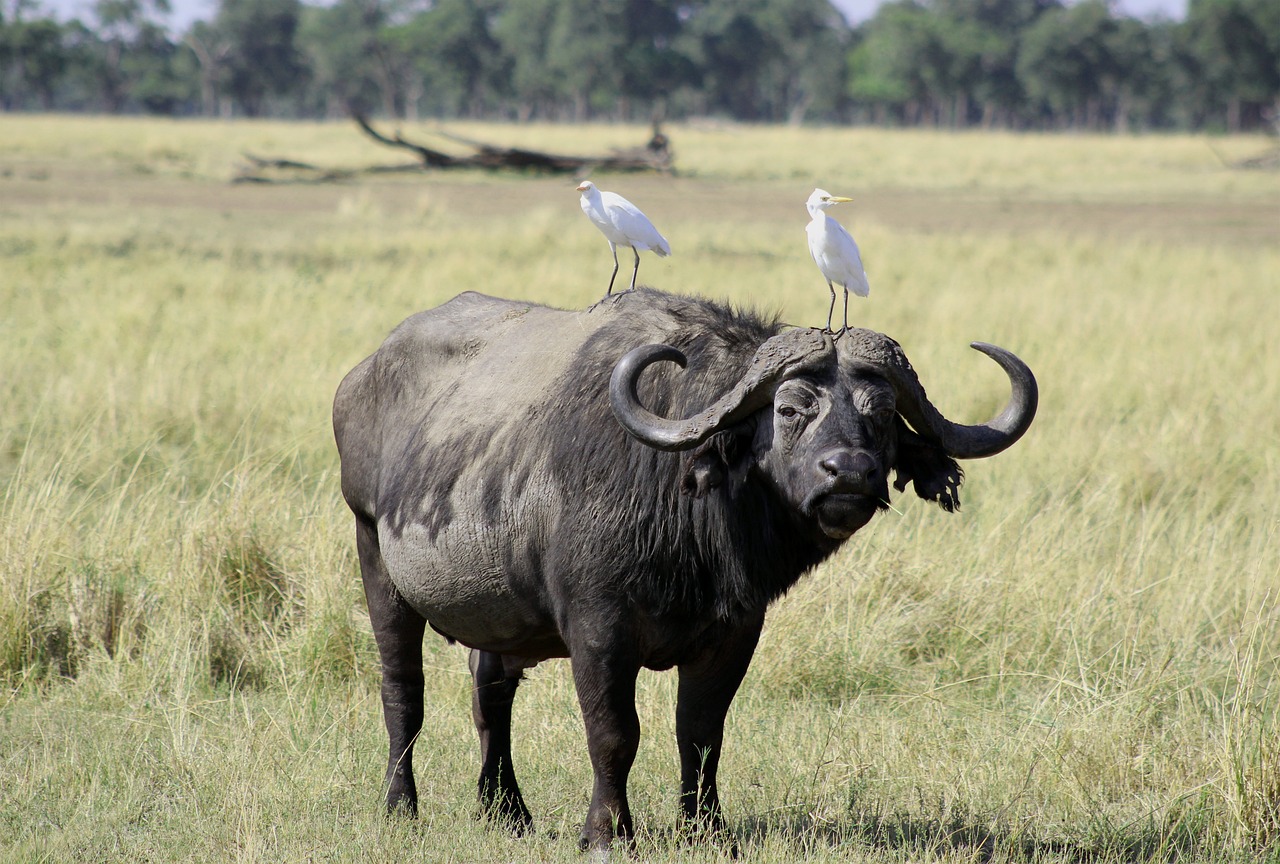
(836, 199)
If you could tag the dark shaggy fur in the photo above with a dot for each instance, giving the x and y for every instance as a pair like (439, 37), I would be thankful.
(728, 552)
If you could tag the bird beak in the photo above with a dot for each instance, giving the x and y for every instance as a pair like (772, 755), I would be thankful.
(836, 199)
(582, 188)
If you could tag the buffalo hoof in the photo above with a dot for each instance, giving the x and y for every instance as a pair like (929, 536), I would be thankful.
(402, 808)
(602, 853)
(515, 819)
(709, 831)
(596, 855)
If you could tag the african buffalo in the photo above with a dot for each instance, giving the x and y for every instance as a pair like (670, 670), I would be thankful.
(512, 490)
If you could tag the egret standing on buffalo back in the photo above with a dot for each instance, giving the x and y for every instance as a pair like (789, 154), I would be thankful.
(622, 224)
(835, 253)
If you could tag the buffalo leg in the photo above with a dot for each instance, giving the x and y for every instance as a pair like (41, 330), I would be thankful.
(606, 687)
(706, 689)
(398, 631)
(491, 701)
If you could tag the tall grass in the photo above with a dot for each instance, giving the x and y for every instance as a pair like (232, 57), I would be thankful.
(1081, 664)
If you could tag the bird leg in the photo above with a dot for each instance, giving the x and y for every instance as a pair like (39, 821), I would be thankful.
(831, 310)
(614, 249)
(845, 328)
(636, 270)
(612, 276)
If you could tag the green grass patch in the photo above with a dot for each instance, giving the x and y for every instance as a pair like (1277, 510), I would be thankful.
(1079, 665)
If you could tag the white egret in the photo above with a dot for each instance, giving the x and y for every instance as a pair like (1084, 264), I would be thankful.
(835, 253)
(622, 224)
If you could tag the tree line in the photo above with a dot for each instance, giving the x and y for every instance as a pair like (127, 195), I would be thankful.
(1019, 64)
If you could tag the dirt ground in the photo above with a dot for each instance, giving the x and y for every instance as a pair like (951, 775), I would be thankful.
(475, 195)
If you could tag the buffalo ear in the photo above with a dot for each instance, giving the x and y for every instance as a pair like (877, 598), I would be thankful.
(708, 465)
(933, 474)
(702, 473)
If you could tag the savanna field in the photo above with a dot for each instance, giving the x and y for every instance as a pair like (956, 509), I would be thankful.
(1080, 665)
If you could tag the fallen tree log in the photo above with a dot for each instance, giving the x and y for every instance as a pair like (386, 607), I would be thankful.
(256, 169)
(1268, 161)
(654, 155)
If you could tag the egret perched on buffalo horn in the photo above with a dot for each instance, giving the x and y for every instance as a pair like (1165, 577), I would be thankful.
(835, 253)
(622, 224)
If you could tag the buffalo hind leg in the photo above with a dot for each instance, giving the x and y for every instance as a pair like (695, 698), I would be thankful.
(706, 690)
(398, 631)
(491, 700)
(606, 685)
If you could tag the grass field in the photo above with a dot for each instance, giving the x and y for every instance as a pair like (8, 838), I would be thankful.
(1081, 665)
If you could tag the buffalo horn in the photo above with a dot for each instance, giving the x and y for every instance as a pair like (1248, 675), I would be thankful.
(776, 360)
(866, 347)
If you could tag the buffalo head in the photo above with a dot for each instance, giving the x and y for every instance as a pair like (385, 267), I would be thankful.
(822, 422)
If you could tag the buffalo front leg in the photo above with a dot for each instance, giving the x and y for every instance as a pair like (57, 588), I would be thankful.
(706, 689)
(398, 631)
(606, 685)
(491, 700)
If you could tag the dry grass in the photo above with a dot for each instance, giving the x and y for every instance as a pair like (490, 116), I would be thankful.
(1080, 665)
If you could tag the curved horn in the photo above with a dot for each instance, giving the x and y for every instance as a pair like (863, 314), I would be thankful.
(959, 441)
(779, 358)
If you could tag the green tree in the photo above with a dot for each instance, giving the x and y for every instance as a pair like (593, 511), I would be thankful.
(459, 63)
(893, 67)
(1160, 100)
(1236, 44)
(523, 30)
(126, 29)
(80, 88)
(583, 43)
(653, 66)
(585, 58)
(1135, 75)
(210, 49)
(1069, 63)
(735, 52)
(262, 60)
(360, 59)
(982, 38)
(808, 66)
(160, 74)
(32, 55)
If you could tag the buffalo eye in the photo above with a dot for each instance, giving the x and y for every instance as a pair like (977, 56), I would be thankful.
(795, 404)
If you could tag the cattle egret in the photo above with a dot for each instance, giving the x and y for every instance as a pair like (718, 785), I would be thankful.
(622, 224)
(835, 253)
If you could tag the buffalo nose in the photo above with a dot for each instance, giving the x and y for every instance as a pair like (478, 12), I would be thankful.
(856, 467)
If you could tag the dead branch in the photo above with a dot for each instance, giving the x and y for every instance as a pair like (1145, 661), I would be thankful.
(259, 170)
(654, 155)
(430, 158)
(1268, 161)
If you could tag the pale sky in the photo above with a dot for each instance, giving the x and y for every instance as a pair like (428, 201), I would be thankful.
(856, 11)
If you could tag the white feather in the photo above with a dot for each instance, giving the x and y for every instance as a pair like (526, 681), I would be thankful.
(622, 224)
